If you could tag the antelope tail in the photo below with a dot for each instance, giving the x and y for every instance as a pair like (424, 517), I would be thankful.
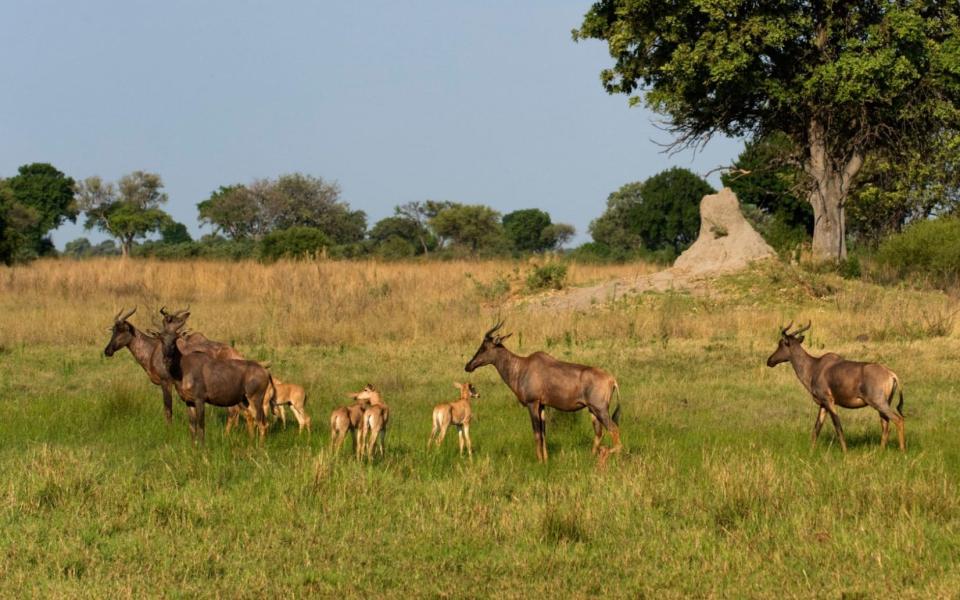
(616, 412)
(273, 398)
(900, 403)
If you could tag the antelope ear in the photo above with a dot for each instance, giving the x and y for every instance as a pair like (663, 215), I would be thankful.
(799, 339)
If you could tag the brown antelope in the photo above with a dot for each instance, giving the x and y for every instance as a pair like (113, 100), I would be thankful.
(202, 379)
(146, 350)
(539, 381)
(346, 419)
(458, 413)
(834, 381)
(197, 342)
(194, 341)
(373, 424)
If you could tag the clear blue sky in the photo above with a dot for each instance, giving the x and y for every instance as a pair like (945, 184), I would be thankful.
(478, 102)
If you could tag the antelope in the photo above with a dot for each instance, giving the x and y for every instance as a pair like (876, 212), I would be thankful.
(834, 381)
(194, 341)
(373, 424)
(147, 351)
(293, 395)
(458, 413)
(346, 419)
(197, 342)
(202, 379)
(539, 381)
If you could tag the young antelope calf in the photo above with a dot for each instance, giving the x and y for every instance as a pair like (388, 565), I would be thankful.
(293, 395)
(373, 425)
(346, 419)
(458, 413)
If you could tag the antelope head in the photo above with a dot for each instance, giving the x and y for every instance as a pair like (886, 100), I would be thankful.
(487, 351)
(122, 332)
(788, 340)
(174, 321)
(366, 396)
(466, 390)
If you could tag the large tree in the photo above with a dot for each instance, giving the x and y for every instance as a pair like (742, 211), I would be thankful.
(126, 211)
(44, 192)
(292, 200)
(840, 79)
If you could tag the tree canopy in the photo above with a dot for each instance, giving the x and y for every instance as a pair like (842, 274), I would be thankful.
(839, 79)
(292, 200)
(662, 214)
(39, 198)
(126, 211)
(471, 226)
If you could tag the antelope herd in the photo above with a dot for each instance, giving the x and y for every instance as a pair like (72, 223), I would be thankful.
(203, 371)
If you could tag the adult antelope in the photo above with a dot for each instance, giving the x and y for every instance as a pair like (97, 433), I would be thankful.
(834, 381)
(373, 424)
(194, 341)
(458, 413)
(146, 350)
(539, 381)
(202, 379)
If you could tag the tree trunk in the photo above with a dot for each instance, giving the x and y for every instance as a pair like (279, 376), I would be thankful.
(831, 185)
(125, 247)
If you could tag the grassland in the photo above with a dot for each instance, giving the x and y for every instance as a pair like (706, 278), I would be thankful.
(718, 492)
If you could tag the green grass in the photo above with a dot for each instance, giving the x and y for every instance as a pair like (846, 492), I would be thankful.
(718, 492)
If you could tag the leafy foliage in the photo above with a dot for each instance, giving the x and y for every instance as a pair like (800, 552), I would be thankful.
(473, 227)
(525, 228)
(928, 248)
(293, 242)
(660, 214)
(292, 200)
(126, 211)
(551, 276)
(38, 199)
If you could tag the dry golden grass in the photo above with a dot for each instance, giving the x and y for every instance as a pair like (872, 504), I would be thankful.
(368, 303)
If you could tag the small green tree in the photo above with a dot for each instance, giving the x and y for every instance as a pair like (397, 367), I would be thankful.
(660, 214)
(293, 242)
(128, 211)
(612, 231)
(669, 215)
(525, 229)
(16, 223)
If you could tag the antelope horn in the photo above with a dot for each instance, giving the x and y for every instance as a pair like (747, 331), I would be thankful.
(116, 317)
(784, 330)
(493, 329)
(163, 311)
(126, 315)
(802, 329)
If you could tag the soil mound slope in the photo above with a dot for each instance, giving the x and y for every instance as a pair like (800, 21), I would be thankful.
(726, 243)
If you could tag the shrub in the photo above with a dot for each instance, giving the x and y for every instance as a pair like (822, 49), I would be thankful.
(928, 249)
(295, 242)
(547, 277)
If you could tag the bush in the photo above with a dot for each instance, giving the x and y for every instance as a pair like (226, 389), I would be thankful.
(547, 277)
(295, 242)
(928, 249)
